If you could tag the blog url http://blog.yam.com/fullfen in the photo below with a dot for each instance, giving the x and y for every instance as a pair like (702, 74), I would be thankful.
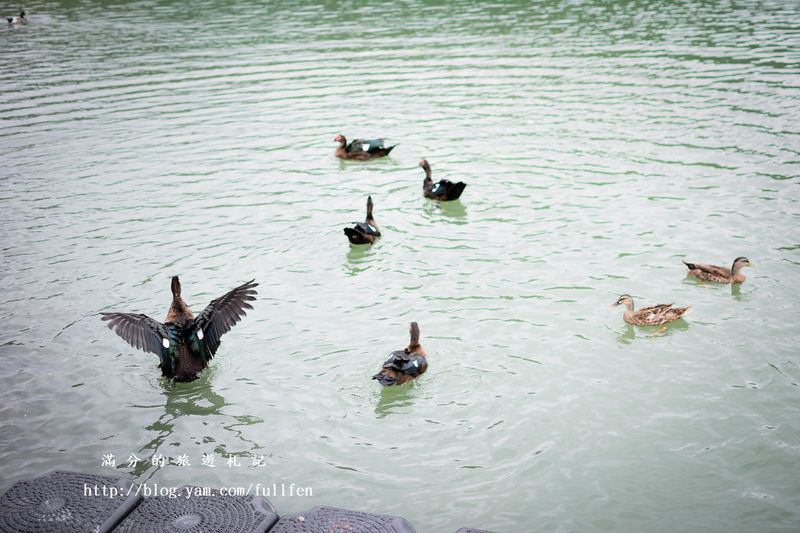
(267, 490)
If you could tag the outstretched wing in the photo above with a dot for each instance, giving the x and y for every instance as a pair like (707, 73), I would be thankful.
(221, 315)
(141, 332)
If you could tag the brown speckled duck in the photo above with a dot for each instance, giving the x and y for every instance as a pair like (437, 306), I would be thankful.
(364, 232)
(361, 149)
(184, 343)
(444, 190)
(656, 315)
(718, 274)
(404, 365)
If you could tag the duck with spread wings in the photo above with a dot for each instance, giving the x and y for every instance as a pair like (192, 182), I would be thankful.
(184, 343)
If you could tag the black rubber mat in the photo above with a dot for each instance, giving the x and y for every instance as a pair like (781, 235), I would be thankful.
(334, 520)
(66, 502)
(212, 513)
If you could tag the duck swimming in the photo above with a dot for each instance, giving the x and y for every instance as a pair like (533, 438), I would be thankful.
(184, 343)
(444, 190)
(362, 149)
(364, 232)
(16, 21)
(656, 315)
(404, 365)
(718, 274)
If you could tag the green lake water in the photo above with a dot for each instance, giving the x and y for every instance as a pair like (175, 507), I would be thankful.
(601, 142)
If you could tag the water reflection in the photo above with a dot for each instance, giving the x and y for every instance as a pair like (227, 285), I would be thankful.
(193, 399)
(345, 163)
(630, 333)
(736, 291)
(691, 280)
(358, 258)
(735, 288)
(455, 211)
(393, 399)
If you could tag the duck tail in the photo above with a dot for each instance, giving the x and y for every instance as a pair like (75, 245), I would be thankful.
(384, 379)
(690, 266)
(455, 192)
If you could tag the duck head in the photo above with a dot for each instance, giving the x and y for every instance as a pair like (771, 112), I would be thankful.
(739, 263)
(413, 330)
(626, 300)
(340, 139)
(176, 287)
(423, 163)
(179, 310)
(370, 205)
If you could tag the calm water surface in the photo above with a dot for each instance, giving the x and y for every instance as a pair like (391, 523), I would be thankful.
(601, 143)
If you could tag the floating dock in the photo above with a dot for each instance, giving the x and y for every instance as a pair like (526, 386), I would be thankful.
(59, 502)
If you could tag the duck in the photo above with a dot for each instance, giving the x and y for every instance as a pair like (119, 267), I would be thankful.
(656, 315)
(719, 274)
(184, 343)
(362, 149)
(404, 365)
(444, 190)
(364, 232)
(16, 21)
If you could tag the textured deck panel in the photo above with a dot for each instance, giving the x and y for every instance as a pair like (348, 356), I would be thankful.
(335, 520)
(67, 502)
(200, 514)
(57, 502)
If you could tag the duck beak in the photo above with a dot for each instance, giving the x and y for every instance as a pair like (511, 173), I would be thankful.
(751, 264)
